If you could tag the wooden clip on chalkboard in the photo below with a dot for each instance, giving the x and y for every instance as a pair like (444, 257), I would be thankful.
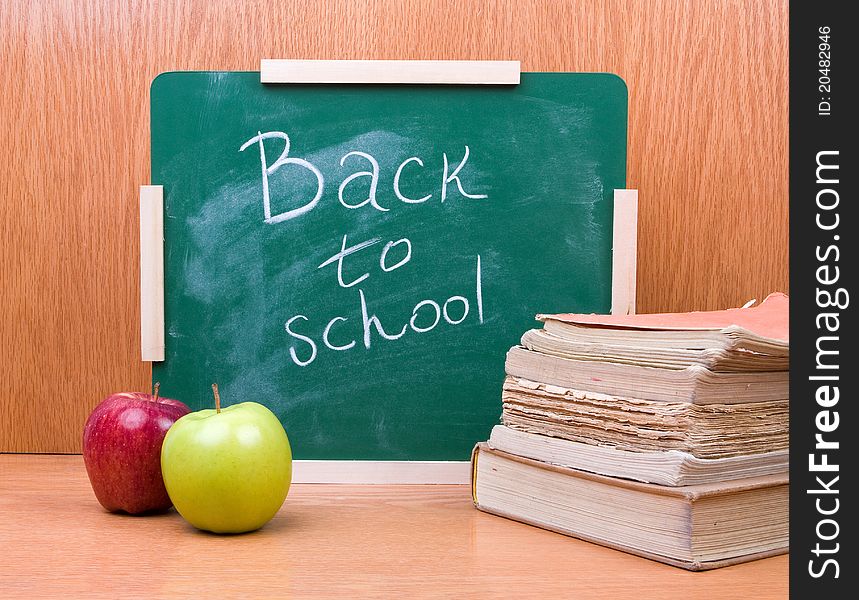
(624, 252)
(152, 272)
(447, 72)
(359, 257)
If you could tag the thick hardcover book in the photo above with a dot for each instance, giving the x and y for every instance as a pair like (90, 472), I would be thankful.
(695, 527)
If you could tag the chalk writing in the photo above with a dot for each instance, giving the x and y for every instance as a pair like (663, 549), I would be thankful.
(371, 200)
(426, 315)
(340, 333)
(283, 159)
(344, 252)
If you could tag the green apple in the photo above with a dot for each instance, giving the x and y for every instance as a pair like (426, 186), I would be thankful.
(227, 471)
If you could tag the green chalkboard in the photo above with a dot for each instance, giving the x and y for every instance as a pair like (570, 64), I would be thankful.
(520, 225)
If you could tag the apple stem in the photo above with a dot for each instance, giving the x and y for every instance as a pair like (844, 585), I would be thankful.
(217, 397)
(155, 390)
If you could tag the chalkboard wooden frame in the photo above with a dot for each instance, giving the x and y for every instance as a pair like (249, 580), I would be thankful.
(598, 284)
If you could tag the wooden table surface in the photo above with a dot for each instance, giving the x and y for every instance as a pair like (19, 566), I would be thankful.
(327, 541)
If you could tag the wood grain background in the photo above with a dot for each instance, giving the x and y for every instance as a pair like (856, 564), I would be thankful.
(707, 150)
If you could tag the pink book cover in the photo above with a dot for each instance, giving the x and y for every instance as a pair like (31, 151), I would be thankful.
(769, 319)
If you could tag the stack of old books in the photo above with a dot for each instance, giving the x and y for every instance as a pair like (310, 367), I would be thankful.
(662, 435)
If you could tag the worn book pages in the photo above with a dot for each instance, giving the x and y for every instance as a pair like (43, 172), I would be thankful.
(663, 467)
(728, 354)
(634, 424)
(694, 383)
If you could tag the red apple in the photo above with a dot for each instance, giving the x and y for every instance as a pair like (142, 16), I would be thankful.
(122, 450)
